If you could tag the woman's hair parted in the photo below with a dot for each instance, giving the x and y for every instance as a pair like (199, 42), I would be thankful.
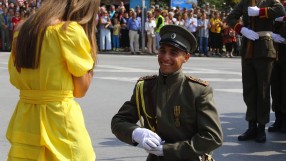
(27, 46)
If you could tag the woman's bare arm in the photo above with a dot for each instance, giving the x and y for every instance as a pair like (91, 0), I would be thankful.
(81, 84)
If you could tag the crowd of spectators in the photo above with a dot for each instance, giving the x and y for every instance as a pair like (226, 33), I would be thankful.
(119, 28)
(214, 36)
(11, 13)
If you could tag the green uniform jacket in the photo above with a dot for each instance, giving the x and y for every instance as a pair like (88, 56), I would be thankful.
(280, 28)
(263, 47)
(199, 131)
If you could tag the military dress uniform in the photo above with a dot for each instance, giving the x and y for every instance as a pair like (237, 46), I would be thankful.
(278, 81)
(179, 108)
(257, 68)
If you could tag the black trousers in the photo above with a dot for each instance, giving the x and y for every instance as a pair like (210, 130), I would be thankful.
(256, 76)
(278, 86)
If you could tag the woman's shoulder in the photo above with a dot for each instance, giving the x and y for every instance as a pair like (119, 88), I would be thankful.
(65, 27)
(64, 24)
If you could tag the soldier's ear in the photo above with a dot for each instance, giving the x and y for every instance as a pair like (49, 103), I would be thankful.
(187, 57)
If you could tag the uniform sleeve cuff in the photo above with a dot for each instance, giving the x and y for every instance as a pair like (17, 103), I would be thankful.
(237, 28)
(263, 13)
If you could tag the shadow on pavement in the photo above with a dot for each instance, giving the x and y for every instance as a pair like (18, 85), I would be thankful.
(234, 124)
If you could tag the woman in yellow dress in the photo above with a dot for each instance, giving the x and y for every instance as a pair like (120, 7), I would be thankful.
(51, 62)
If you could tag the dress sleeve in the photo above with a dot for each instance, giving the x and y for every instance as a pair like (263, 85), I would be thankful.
(76, 49)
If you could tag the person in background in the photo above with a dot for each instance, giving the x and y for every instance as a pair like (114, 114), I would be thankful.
(1, 9)
(27, 5)
(152, 8)
(192, 24)
(177, 114)
(16, 19)
(238, 38)
(180, 21)
(26, 15)
(115, 34)
(105, 34)
(138, 11)
(185, 17)
(121, 5)
(207, 9)
(111, 11)
(121, 12)
(33, 3)
(216, 39)
(229, 40)
(150, 30)
(124, 32)
(52, 62)
(5, 22)
(164, 14)
(160, 22)
(11, 13)
(134, 26)
(12, 6)
(172, 20)
(203, 28)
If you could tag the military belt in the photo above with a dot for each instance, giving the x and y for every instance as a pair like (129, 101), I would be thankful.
(264, 33)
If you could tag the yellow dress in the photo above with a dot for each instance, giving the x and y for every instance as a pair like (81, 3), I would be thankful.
(47, 124)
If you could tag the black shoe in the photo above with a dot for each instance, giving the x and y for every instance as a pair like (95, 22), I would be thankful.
(275, 127)
(283, 129)
(260, 134)
(250, 133)
(247, 135)
(283, 123)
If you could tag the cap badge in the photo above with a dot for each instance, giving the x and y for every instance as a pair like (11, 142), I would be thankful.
(173, 36)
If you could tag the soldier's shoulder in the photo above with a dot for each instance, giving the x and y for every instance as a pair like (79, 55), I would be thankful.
(197, 80)
(148, 77)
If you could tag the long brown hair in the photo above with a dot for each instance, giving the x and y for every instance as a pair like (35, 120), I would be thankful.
(27, 46)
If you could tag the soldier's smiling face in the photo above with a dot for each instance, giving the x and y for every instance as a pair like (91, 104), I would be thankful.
(171, 59)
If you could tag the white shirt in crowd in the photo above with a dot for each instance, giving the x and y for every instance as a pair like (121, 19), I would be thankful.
(180, 23)
(149, 27)
(204, 30)
(192, 24)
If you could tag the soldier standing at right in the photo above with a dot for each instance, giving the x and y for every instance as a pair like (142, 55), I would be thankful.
(256, 63)
(278, 79)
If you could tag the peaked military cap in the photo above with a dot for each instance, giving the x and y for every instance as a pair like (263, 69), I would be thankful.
(178, 37)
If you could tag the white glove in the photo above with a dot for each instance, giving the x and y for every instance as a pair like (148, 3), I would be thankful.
(277, 38)
(249, 33)
(158, 151)
(279, 19)
(253, 11)
(146, 138)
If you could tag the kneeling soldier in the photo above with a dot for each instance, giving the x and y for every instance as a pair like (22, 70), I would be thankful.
(177, 113)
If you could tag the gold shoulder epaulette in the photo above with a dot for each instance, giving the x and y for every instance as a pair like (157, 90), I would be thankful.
(194, 79)
(148, 77)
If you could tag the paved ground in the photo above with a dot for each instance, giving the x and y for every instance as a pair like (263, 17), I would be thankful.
(113, 83)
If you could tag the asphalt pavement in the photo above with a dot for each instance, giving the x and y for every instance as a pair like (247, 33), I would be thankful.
(114, 79)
